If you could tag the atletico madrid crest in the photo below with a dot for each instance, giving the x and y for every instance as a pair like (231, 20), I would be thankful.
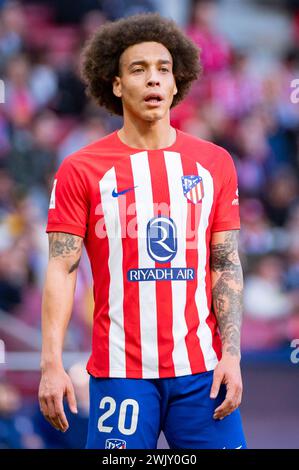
(115, 444)
(193, 188)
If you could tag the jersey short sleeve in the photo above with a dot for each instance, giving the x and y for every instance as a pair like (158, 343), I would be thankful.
(69, 208)
(227, 215)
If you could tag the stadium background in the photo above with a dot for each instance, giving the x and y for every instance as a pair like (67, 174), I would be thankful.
(243, 102)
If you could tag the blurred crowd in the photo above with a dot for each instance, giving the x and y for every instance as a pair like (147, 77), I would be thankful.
(46, 116)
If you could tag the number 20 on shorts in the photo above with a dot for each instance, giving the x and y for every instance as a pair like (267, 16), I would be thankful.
(121, 417)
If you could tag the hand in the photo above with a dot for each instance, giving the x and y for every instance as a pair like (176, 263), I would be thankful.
(228, 372)
(54, 385)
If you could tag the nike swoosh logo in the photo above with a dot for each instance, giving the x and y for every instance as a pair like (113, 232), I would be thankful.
(116, 194)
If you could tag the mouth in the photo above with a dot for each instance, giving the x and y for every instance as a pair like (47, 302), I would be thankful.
(153, 99)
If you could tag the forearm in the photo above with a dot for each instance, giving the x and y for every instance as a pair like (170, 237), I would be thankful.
(227, 290)
(58, 295)
(56, 312)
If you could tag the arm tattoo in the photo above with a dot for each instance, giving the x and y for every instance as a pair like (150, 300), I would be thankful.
(74, 266)
(65, 245)
(227, 288)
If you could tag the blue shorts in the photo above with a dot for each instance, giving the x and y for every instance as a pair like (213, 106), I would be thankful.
(130, 413)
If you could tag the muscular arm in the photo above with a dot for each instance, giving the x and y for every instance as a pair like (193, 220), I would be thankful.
(64, 256)
(227, 288)
(58, 294)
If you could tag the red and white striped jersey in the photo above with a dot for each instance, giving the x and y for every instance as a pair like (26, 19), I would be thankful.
(147, 217)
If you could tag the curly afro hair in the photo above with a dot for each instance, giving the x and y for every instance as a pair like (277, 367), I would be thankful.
(101, 54)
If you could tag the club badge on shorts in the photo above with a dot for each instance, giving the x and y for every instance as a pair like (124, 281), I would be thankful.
(115, 444)
(193, 188)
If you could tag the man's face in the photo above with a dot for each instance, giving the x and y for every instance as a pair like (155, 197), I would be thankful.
(146, 84)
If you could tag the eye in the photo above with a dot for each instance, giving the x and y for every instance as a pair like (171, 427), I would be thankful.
(139, 69)
(164, 69)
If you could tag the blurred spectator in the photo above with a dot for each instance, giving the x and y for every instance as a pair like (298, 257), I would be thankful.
(115, 9)
(71, 98)
(20, 104)
(90, 130)
(91, 22)
(265, 284)
(256, 237)
(215, 50)
(32, 157)
(10, 402)
(281, 193)
(16, 428)
(268, 308)
(292, 271)
(12, 31)
(14, 273)
(253, 154)
(288, 70)
(69, 12)
(44, 81)
(234, 89)
(6, 196)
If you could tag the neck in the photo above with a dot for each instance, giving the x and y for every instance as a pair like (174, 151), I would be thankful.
(147, 135)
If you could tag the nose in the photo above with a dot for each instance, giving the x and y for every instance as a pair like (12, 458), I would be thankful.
(152, 79)
(153, 82)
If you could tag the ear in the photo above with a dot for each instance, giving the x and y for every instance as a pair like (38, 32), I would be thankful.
(175, 90)
(116, 86)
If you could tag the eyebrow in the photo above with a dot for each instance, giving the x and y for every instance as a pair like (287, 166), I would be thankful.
(144, 62)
